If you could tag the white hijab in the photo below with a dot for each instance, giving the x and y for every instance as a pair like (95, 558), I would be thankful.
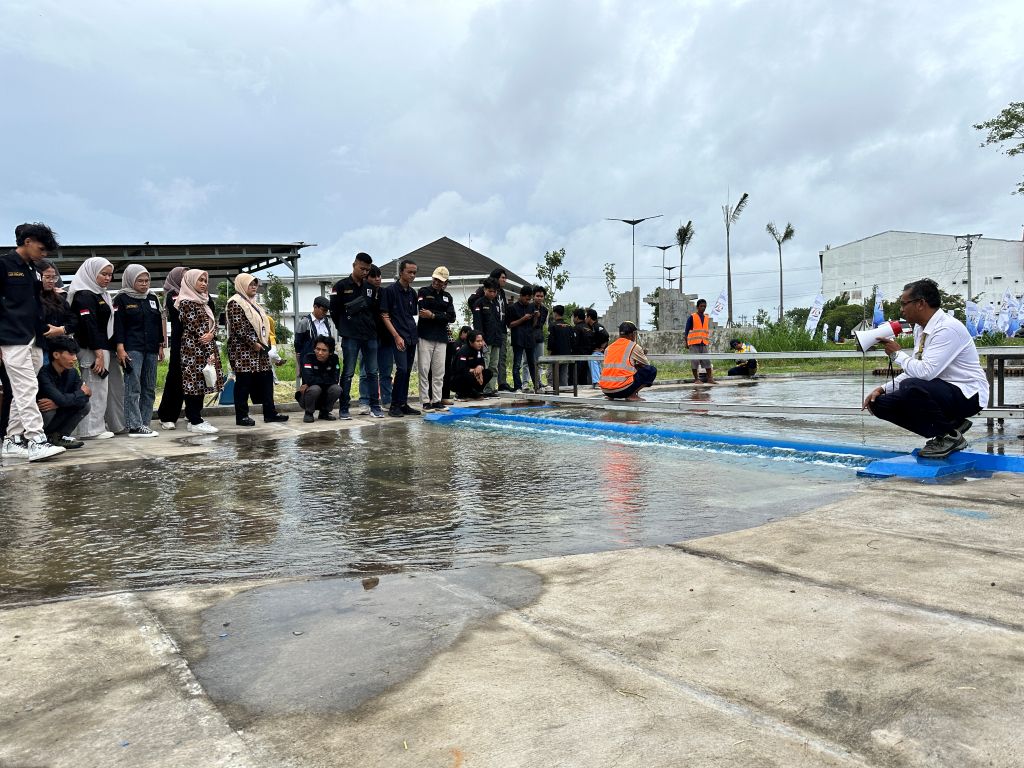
(85, 280)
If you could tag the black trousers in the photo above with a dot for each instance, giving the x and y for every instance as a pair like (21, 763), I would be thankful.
(258, 386)
(316, 398)
(749, 368)
(465, 384)
(193, 408)
(64, 420)
(172, 398)
(5, 404)
(927, 408)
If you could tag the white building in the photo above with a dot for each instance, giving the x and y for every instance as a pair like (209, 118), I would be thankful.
(467, 269)
(892, 259)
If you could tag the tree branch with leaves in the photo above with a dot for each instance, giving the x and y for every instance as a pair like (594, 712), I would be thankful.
(780, 238)
(1007, 126)
(683, 237)
(550, 273)
(730, 215)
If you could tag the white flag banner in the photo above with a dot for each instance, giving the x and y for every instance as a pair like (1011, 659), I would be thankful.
(988, 316)
(1005, 310)
(718, 308)
(815, 314)
(972, 314)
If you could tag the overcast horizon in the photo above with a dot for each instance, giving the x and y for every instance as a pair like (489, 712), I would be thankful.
(515, 128)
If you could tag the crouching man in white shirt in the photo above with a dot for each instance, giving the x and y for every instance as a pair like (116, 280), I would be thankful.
(942, 383)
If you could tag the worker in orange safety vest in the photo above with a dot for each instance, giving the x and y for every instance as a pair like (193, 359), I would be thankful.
(698, 341)
(625, 370)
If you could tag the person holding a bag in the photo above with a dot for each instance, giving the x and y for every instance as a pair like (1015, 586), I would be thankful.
(248, 352)
(200, 362)
(139, 340)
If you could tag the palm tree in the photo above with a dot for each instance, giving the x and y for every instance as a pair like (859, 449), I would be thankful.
(683, 236)
(780, 239)
(731, 215)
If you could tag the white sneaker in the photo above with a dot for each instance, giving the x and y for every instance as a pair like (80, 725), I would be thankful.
(142, 431)
(14, 449)
(204, 427)
(364, 410)
(104, 435)
(42, 449)
(168, 425)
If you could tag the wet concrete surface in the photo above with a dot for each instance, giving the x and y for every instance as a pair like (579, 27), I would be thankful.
(331, 645)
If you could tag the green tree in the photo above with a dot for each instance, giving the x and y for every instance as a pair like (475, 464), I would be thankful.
(657, 307)
(609, 281)
(762, 317)
(1007, 126)
(797, 316)
(683, 237)
(224, 291)
(730, 215)
(277, 294)
(551, 274)
(787, 234)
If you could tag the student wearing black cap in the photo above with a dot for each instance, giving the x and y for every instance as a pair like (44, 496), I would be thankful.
(626, 370)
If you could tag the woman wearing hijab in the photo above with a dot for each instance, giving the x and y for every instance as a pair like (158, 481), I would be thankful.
(92, 304)
(248, 347)
(198, 348)
(172, 398)
(139, 340)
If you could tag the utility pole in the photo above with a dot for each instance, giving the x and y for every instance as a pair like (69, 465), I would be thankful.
(970, 242)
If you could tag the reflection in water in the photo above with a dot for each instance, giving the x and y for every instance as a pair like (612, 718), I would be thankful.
(376, 499)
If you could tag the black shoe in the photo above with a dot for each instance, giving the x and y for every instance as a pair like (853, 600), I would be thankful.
(276, 417)
(964, 426)
(941, 447)
(245, 422)
(395, 411)
(427, 407)
(327, 416)
(438, 407)
(308, 418)
(505, 388)
(408, 410)
(489, 394)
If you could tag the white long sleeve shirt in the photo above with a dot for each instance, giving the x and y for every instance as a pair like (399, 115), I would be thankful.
(948, 353)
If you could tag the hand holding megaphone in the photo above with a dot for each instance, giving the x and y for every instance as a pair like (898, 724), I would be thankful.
(884, 332)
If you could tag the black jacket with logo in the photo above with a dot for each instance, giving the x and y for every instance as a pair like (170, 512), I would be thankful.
(21, 314)
(488, 322)
(315, 373)
(93, 314)
(353, 307)
(443, 307)
(138, 323)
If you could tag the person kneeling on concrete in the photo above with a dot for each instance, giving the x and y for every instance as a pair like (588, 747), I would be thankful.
(63, 399)
(744, 367)
(320, 372)
(942, 383)
(470, 372)
(625, 370)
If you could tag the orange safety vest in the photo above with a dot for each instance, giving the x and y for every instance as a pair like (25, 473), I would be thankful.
(699, 334)
(617, 371)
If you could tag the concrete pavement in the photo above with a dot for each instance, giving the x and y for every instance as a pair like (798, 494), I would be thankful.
(881, 630)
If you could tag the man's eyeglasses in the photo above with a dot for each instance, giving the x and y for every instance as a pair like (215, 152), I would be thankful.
(908, 301)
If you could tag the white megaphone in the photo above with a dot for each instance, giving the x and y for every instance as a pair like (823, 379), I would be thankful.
(867, 339)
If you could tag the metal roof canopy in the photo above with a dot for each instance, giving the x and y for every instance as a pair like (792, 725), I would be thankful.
(221, 260)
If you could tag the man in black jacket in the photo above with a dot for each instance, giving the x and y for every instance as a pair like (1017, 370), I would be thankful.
(487, 320)
(352, 308)
(20, 324)
(436, 313)
(560, 339)
(63, 399)
(583, 344)
(319, 390)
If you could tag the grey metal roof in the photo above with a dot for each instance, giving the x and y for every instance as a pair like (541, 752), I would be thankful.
(460, 260)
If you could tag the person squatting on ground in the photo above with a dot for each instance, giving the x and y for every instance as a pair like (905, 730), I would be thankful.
(744, 367)
(626, 370)
(139, 340)
(470, 372)
(198, 348)
(311, 327)
(248, 348)
(21, 323)
(63, 399)
(942, 383)
(487, 319)
(698, 341)
(353, 308)
(320, 372)
(436, 312)
(398, 311)
(92, 302)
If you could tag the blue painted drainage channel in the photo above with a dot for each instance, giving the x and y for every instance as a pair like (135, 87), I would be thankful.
(880, 462)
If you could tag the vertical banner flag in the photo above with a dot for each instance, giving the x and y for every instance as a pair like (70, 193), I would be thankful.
(1004, 311)
(838, 329)
(824, 332)
(815, 314)
(1014, 316)
(987, 319)
(718, 308)
(878, 317)
(971, 314)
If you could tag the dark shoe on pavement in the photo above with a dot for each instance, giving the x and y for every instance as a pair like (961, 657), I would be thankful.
(395, 411)
(489, 394)
(427, 407)
(943, 446)
(327, 416)
(276, 417)
(408, 410)
(66, 441)
(964, 426)
(344, 415)
(246, 422)
(505, 388)
(376, 412)
(438, 407)
(307, 418)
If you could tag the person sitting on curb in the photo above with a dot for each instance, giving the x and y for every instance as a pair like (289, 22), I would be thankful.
(744, 367)
(63, 399)
(320, 373)
(625, 370)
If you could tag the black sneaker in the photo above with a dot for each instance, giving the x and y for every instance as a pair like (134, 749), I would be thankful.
(246, 422)
(940, 448)
(489, 394)
(344, 415)
(505, 388)
(408, 410)
(438, 407)
(327, 416)
(308, 418)
(67, 441)
(964, 426)
(427, 407)
(276, 417)
(395, 411)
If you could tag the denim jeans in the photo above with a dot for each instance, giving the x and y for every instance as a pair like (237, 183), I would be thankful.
(403, 370)
(140, 389)
(385, 364)
(351, 349)
(518, 353)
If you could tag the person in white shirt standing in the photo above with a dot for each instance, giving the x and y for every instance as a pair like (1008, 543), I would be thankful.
(942, 383)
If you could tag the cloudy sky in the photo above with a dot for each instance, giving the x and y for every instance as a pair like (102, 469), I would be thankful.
(381, 126)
